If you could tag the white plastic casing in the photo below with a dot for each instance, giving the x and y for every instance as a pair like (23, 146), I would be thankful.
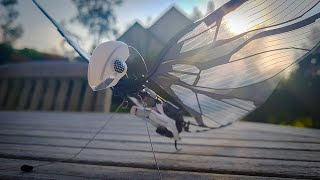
(101, 72)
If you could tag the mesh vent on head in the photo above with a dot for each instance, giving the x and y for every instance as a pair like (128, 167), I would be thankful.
(118, 66)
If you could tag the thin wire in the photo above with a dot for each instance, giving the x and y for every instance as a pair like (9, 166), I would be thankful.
(105, 124)
(144, 62)
(154, 155)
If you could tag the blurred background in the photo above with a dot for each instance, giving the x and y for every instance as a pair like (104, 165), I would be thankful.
(41, 72)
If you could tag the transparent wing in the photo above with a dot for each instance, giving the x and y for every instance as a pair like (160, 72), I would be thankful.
(72, 43)
(227, 64)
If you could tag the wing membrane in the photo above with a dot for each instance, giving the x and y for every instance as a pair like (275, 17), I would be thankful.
(65, 35)
(224, 66)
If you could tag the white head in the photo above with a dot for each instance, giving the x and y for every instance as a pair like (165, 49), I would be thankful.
(107, 65)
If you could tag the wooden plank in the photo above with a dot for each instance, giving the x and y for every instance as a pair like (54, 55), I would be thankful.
(75, 95)
(13, 95)
(246, 150)
(3, 92)
(37, 94)
(25, 94)
(181, 162)
(46, 69)
(125, 119)
(132, 130)
(31, 130)
(144, 146)
(49, 95)
(107, 100)
(190, 141)
(84, 122)
(99, 101)
(75, 171)
(62, 95)
(88, 100)
(218, 139)
(276, 129)
(56, 152)
(91, 124)
(160, 140)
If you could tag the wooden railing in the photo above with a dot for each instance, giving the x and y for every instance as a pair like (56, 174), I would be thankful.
(50, 86)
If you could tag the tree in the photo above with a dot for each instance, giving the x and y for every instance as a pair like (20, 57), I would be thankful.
(10, 30)
(196, 14)
(210, 7)
(98, 16)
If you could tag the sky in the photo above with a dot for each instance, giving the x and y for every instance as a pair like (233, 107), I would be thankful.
(41, 35)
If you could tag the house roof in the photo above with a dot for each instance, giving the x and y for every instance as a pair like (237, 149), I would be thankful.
(142, 39)
(169, 24)
(138, 27)
(150, 41)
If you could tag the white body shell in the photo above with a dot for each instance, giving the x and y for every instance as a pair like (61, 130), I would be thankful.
(101, 71)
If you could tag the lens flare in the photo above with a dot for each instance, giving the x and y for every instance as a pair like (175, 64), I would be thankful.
(236, 24)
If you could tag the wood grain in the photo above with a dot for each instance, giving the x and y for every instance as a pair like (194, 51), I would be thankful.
(49, 86)
(241, 150)
(14, 94)
(36, 95)
(88, 100)
(49, 95)
(25, 94)
(80, 171)
(62, 95)
(44, 69)
(3, 92)
(75, 95)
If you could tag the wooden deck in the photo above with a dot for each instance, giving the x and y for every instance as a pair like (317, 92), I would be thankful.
(122, 149)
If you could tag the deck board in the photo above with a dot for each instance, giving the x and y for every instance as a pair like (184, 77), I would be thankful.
(80, 171)
(242, 150)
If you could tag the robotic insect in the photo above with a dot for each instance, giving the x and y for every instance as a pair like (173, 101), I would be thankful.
(218, 69)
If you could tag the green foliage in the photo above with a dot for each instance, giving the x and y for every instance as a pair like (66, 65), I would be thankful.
(210, 7)
(6, 52)
(31, 53)
(306, 122)
(10, 31)
(98, 16)
(9, 54)
(296, 101)
(196, 14)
